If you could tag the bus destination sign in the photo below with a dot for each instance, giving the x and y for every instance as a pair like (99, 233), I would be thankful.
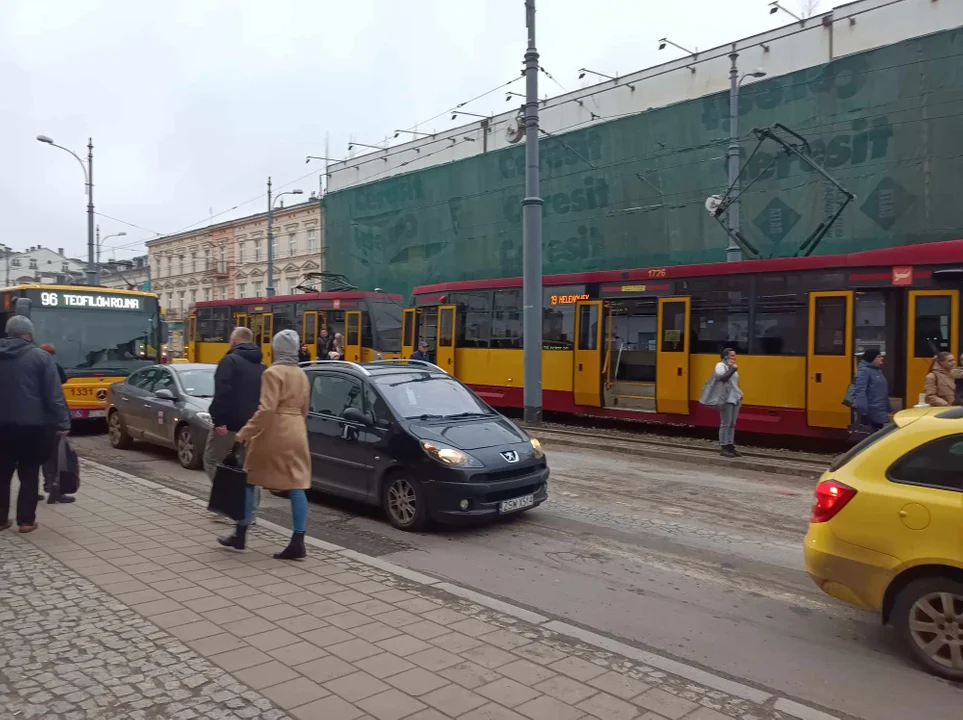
(97, 301)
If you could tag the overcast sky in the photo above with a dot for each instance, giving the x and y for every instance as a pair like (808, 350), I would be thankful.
(193, 103)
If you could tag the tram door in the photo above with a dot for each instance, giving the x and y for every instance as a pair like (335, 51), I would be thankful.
(932, 323)
(267, 334)
(829, 360)
(587, 382)
(352, 336)
(445, 353)
(309, 332)
(672, 357)
(409, 331)
(191, 349)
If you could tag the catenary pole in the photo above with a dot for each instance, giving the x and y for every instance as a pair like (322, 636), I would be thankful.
(532, 236)
(733, 252)
(270, 243)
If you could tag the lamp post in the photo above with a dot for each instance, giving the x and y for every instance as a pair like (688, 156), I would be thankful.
(733, 251)
(270, 235)
(93, 274)
(100, 242)
(532, 236)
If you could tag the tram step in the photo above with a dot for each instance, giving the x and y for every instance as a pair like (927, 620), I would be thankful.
(633, 402)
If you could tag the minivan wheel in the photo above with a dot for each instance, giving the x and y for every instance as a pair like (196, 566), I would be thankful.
(928, 615)
(118, 433)
(187, 453)
(404, 503)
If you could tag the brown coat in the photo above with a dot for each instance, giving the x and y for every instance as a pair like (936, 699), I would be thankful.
(940, 387)
(276, 437)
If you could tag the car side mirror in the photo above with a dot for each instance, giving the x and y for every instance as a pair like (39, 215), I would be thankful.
(357, 416)
(165, 394)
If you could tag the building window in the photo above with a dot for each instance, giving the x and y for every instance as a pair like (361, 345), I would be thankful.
(274, 245)
(193, 262)
(292, 244)
(223, 292)
(180, 300)
(257, 289)
(193, 296)
(240, 252)
(15, 262)
(312, 239)
(64, 267)
(207, 258)
(207, 293)
(257, 251)
(241, 289)
(33, 264)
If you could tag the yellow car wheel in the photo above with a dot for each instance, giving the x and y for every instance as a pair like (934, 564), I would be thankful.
(928, 615)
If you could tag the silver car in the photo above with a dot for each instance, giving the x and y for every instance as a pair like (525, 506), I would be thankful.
(164, 405)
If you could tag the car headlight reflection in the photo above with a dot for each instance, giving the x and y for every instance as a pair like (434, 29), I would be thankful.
(537, 447)
(450, 456)
(204, 417)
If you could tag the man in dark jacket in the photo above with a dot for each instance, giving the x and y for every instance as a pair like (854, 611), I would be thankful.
(237, 391)
(421, 353)
(325, 343)
(32, 411)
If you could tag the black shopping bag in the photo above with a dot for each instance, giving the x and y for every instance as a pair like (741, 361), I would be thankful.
(229, 490)
(68, 468)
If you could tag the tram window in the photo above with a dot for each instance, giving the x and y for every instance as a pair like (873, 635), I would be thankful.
(506, 327)
(367, 337)
(869, 322)
(474, 318)
(781, 317)
(720, 321)
(932, 328)
(830, 332)
(214, 324)
(673, 327)
(588, 321)
(558, 316)
(284, 318)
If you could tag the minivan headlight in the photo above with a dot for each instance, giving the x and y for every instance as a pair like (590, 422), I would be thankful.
(450, 456)
(205, 417)
(537, 447)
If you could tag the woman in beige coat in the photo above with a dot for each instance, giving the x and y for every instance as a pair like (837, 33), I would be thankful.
(276, 443)
(940, 386)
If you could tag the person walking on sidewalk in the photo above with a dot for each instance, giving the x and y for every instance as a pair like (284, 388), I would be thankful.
(276, 441)
(871, 391)
(32, 411)
(940, 386)
(237, 391)
(51, 466)
(727, 376)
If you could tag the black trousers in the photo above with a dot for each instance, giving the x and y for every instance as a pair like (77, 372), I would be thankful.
(23, 448)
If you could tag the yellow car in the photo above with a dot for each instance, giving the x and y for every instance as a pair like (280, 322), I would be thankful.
(886, 533)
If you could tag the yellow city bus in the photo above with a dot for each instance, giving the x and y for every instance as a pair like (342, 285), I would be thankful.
(369, 321)
(101, 335)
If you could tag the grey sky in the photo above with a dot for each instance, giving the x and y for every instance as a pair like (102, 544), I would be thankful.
(193, 104)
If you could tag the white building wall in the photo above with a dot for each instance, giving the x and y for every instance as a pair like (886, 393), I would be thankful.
(851, 28)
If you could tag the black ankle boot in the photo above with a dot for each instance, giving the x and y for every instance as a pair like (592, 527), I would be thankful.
(725, 451)
(295, 549)
(733, 452)
(238, 540)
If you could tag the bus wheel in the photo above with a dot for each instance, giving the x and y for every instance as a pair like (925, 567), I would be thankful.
(118, 433)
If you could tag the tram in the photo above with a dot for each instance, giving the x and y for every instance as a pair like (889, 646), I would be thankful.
(640, 344)
(369, 321)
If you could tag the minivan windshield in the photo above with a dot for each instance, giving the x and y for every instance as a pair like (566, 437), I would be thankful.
(423, 395)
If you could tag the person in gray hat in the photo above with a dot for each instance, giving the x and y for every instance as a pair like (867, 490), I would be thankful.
(32, 411)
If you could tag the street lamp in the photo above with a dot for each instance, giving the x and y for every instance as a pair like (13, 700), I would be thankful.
(270, 235)
(733, 251)
(100, 241)
(775, 7)
(93, 274)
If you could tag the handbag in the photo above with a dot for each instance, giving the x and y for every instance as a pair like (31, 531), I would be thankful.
(229, 489)
(68, 468)
(712, 392)
(849, 399)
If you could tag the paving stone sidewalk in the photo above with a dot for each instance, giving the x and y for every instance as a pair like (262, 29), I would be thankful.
(123, 606)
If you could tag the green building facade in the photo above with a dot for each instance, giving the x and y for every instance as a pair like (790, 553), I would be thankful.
(888, 124)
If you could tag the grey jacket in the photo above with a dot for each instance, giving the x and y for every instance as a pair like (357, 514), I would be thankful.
(871, 400)
(30, 390)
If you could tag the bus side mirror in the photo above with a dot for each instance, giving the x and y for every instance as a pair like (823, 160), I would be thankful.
(23, 307)
(163, 333)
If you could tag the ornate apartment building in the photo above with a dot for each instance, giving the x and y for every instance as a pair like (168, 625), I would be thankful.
(229, 259)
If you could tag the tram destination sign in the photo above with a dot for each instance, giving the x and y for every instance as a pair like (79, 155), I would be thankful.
(93, 301)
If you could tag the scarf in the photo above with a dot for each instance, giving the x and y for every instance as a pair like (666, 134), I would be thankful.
(286, 345)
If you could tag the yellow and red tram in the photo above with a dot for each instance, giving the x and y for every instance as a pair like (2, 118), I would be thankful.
(639, 344)
(369, 321)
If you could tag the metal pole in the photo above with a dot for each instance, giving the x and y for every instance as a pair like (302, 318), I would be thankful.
(93, 275)
(270, 242)
(733, 252)
(532, 235)
(98, 245)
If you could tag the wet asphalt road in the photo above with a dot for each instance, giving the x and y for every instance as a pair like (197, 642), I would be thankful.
(700, 563)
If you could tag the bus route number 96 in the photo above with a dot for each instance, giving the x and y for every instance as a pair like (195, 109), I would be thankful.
(49, 299)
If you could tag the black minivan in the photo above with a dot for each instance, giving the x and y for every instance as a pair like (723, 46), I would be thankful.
(405, 435)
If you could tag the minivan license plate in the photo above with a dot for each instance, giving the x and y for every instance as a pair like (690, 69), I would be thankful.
(519, 503)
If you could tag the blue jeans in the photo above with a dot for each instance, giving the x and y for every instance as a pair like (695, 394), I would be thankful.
(299, 508)
(728, 412)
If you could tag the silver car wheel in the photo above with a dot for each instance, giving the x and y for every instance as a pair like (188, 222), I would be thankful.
(936, 627)
(402, 501)
(185, 446)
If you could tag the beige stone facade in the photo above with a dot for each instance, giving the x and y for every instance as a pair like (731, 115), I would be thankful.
(229, 259)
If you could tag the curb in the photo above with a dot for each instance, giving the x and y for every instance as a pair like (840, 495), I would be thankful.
(660, 454)
(666, 664)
